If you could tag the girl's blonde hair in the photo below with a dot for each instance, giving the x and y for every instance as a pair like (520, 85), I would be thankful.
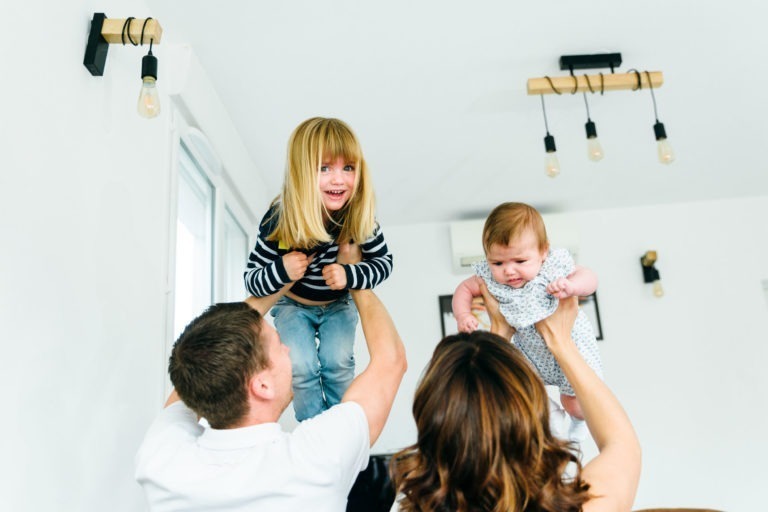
(484, 442)
(508, 221)
(300, 209)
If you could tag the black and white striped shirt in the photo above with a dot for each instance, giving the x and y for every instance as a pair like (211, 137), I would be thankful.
(265, 273)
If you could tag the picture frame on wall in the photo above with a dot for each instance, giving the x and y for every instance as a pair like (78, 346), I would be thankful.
(588, 304)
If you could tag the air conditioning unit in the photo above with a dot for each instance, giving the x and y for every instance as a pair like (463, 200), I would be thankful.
(467, 239)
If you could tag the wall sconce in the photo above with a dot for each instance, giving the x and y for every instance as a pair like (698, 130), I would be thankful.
(136, 31)
(633, 80)
(650, 273)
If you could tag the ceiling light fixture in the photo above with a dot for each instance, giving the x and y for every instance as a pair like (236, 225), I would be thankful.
(633, 80)
(106, 31)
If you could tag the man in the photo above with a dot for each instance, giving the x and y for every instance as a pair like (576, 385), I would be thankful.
(230, 368)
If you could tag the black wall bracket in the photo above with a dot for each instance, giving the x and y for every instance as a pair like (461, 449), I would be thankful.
(96, 49)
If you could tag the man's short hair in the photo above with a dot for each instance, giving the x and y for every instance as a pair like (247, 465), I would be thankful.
(213, 360)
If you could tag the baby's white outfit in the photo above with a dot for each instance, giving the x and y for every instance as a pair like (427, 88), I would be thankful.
(523, 307)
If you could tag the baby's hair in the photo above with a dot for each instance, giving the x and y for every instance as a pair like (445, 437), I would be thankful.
(300, 207)
(508, 221)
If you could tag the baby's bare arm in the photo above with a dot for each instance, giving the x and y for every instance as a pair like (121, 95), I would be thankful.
(462, 304)
(580, 283)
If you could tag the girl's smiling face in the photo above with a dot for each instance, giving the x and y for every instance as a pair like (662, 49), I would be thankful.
(337, 182)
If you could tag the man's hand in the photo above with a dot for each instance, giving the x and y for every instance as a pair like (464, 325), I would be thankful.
(561, 288)
(296, 264)
(349, 254)
(335, 276)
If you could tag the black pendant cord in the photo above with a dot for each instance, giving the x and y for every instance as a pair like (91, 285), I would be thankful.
(143, 27)
(587, 105)
(650, 86)
(544, 111)
(653, 96)
(127, 31)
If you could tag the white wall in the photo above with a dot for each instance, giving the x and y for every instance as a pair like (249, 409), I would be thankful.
(84, 199)
(688, 367)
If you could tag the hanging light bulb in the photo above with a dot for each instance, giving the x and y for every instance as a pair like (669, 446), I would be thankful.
(666, 155)
(594, 149)
(551, 163)
(149, 100)
(658, 291)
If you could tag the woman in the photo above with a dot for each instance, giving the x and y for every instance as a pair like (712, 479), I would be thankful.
(484, 442)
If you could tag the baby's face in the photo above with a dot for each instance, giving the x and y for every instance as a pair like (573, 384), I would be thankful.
(517, 263)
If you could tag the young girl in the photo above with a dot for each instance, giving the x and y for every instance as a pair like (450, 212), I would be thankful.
(527, 278)
(327, 200)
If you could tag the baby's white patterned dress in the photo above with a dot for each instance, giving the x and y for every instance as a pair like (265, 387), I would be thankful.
(523, 307)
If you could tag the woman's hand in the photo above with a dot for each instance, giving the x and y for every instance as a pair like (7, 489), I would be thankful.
(556, 328)
(499, 324)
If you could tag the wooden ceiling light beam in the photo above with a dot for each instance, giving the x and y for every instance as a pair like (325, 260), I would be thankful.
(601, 82)
(606, 82)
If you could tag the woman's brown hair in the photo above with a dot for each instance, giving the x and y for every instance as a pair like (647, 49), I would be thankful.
(484, 442)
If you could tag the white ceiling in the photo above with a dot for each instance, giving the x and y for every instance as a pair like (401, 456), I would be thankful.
(436, 92)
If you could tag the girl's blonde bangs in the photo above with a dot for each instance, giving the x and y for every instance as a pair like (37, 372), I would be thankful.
(340, 143)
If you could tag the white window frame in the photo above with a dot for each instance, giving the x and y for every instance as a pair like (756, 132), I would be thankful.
(226, 200)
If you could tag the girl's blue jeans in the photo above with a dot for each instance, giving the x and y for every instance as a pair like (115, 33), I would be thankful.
(322, 340)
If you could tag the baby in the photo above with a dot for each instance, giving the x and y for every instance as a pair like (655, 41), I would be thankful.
(527, 278)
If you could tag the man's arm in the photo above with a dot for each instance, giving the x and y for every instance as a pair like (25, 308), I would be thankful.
(264, 304)
(375, 388)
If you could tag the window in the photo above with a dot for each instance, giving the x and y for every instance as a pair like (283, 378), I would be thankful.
(234, 252)
(194, 242)
(211, 239)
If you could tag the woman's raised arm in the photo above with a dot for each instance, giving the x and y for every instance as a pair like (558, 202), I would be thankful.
(614, 474)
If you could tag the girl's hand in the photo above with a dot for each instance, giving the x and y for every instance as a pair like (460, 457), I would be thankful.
(335, 276)
(561, 288)
(296, 264)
